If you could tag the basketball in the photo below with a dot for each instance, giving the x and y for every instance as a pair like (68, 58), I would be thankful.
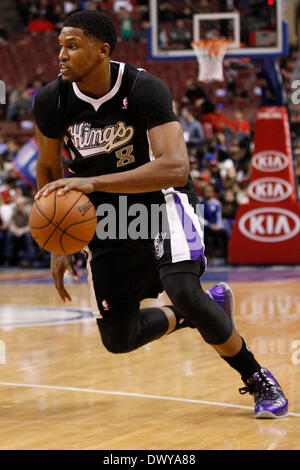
(63, 224)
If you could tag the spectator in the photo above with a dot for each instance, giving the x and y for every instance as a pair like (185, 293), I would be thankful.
(19, 244)
(204, 6)
(13, 99)
(126, 25)
(242, 192)
(230, 181)
(180, 35)
(194, 163)
(121, 5)
(142, 34)
(221, 118)
(225, 163)
(167, 12)
(229, 208)
(69, 7)
(2, 233)
(194, 94)
(163, 38)
(217, 119)
(3, 35)
(215, 176)
(11, 152)
(6, 210)
(40, 24)
(57, 16)
(91, 6)
(3, 145)
(106, 6)
(215, 235)
(200, 180)
(239, 126)
(24, 11)
(35, 87)
(192, 129)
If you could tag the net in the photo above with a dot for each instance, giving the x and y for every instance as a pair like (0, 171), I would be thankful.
(210, 54)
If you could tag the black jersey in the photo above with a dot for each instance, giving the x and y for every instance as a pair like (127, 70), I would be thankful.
(108, 134)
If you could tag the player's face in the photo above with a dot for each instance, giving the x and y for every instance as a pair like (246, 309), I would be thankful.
(79, 54)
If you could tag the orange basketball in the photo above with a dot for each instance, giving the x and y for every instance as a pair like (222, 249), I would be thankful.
(63, 224)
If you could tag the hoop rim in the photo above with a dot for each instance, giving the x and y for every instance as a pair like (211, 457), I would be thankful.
(212, 42)
(214, 47)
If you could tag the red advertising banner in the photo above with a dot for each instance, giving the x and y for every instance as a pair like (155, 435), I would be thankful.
(267, 229)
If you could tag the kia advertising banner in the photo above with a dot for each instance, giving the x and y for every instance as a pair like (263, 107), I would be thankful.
(267, 230)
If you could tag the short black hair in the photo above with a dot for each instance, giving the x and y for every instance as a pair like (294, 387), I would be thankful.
(94, 23)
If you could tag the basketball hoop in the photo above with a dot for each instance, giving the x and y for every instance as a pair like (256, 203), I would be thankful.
(210, 54)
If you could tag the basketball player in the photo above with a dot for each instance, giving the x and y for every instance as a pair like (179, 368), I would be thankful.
(112, 116)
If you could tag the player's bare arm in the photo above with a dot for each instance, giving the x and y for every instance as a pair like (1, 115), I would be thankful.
(49, 168)
(49, 165)
(170, 168)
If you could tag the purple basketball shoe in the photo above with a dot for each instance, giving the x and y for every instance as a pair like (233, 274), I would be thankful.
(269, 398)
(223, 295)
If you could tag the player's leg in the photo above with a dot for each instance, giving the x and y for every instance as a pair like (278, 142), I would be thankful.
(217, 329)
(120, 277)
(181, 262)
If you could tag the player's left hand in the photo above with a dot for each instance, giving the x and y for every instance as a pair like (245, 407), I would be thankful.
(85, 185)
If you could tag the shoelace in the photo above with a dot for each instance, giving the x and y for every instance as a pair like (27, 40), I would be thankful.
(262, 388)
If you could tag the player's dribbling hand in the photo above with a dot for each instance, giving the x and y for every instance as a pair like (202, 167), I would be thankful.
(85, 185)
(58, 266)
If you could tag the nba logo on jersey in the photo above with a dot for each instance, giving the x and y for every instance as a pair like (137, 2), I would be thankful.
(105, 305)
(125, 103)
(159, 244)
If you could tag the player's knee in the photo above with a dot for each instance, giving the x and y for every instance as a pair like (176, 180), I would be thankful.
(116, 347)
(185, 297)
(195, 305)
(114, 340)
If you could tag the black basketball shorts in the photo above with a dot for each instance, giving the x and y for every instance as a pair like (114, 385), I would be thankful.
(124, 272)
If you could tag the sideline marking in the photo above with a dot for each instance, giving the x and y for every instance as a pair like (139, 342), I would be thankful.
(137, 395)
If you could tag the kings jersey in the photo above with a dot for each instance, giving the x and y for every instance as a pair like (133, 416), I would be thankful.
(108, 134)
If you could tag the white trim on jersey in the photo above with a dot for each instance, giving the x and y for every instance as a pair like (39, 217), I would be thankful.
(94, 305)
(97, 102)
(151, 154)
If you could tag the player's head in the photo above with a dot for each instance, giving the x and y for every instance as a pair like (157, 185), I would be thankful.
(87, 38)
(96, 24)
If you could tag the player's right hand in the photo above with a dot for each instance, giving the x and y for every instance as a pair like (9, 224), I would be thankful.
(58, 266)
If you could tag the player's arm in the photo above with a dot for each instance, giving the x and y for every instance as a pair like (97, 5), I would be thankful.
(50, 168)
(170, 168)
(49, 164)
(152, 101)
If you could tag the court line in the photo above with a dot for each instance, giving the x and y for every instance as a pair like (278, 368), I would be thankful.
(136, 395)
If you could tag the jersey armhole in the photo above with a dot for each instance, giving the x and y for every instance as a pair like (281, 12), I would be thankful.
(133, 85)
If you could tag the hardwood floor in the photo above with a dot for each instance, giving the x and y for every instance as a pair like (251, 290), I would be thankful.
(60, 388)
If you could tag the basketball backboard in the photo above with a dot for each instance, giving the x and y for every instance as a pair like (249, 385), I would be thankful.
(256, 27)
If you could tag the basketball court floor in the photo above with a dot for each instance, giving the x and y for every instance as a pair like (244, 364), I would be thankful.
(60, 389)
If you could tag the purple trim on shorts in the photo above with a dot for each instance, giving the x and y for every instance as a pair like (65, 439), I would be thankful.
(192, 236)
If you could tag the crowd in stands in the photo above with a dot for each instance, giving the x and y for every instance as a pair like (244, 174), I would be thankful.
(218, 136)
(131, 16)
(220, 153)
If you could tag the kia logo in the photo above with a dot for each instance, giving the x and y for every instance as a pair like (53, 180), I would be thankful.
(269, 224)
(270, 189)
(270, 161)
